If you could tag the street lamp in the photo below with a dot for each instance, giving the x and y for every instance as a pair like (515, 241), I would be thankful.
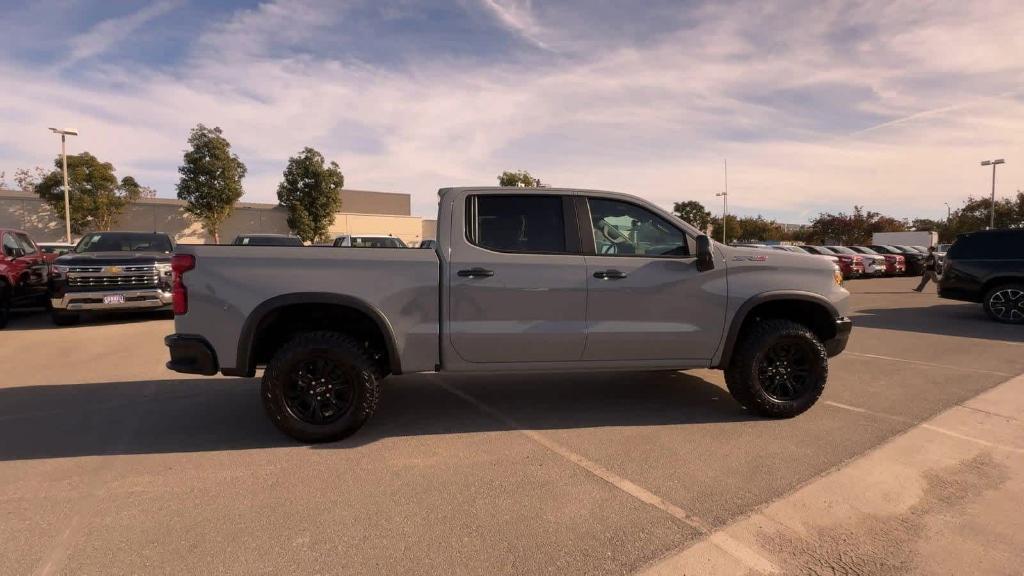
(64, 133)
(725, 200)
(992, 208)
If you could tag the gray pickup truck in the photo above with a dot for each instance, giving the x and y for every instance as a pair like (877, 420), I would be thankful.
(520, 281)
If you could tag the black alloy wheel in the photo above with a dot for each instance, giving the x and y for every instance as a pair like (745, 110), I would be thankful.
(319, 391)
(785, 369)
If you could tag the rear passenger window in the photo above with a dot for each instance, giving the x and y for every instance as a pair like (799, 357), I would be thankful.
(531, 223)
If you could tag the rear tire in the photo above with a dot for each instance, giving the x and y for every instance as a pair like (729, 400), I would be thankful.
(779, 369)
(61, 318)
(1005, 303)
(320, 387)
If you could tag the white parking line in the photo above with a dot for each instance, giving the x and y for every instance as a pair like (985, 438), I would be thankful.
(742, 553)
(926, 426)
(931, 364)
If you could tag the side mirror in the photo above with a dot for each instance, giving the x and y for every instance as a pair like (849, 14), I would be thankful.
(705, 256)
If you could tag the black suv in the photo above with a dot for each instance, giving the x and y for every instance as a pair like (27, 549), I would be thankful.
(987, 267)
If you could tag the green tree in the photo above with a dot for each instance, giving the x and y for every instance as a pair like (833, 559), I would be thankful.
(851, 229)
(95, 195)
(694, 213)
(732, 232)
(311, 193)
(974, 215)
(518, 179)
(759, 229)
(211, 178)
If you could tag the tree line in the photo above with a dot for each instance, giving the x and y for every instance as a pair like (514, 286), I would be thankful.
(210, 184)
(856, 227)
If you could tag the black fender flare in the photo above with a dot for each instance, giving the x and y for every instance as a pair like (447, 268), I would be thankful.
(245, 363)
(733, 333)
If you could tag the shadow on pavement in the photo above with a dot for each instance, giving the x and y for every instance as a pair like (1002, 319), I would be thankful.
(161, 416)
(964, 320)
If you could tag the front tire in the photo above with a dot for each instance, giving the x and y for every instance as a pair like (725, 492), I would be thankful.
(1005, 303)
(320, 387)
(778, 370)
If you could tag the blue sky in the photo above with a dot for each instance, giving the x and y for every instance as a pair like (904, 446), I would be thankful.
(817, 105)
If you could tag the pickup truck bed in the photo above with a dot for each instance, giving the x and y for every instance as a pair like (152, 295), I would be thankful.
(236, 293)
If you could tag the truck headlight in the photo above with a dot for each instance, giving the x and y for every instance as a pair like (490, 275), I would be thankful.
(60, 269)
(163, 270)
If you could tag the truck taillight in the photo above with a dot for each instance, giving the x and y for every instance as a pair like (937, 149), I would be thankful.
(181, 263)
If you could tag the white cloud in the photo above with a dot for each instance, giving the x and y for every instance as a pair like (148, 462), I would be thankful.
(653, 119)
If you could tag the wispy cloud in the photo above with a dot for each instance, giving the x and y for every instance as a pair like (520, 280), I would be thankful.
(517, 16)
(110, 32)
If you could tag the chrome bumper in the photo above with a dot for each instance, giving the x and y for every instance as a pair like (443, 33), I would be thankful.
(134, 300)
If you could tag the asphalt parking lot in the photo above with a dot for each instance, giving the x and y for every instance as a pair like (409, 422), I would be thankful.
(109, 463)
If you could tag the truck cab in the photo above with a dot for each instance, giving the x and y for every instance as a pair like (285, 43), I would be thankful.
(522, 280)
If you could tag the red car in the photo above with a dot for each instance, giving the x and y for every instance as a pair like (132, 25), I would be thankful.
(895, 264)
(850, 266)
(23, 273)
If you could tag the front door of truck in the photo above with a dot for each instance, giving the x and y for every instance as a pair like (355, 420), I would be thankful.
(647, 301)
(518, 284)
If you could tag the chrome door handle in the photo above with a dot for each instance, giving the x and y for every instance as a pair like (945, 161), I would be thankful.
(609, 275)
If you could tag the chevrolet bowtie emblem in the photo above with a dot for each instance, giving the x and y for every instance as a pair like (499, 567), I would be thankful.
(113, 269)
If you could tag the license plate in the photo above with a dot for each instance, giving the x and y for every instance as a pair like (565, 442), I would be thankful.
(113, 299)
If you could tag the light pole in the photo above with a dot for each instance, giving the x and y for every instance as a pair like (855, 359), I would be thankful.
(725, 200)
(64, 133)
(992, 208)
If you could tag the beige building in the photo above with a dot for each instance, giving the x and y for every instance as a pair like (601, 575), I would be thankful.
(363, 212)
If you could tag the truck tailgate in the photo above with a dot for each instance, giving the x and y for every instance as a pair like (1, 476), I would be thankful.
(228, 283)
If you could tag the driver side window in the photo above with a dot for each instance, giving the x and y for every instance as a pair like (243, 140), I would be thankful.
(624, 229)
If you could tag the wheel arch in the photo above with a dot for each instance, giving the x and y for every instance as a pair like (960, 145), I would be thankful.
(999, 281)
(277, 319)
(808, 308)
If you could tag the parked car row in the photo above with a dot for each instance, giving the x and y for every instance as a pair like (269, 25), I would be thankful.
(861, 261)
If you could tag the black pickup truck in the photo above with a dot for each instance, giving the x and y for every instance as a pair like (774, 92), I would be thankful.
(112, 271)
(988, 267)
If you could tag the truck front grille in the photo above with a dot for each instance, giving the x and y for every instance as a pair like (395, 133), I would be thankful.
(125, 281)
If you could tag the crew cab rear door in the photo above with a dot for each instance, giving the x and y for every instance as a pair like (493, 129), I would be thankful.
(647, 300)
(517, 281)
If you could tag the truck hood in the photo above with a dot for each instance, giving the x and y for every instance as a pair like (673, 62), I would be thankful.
(113, 259)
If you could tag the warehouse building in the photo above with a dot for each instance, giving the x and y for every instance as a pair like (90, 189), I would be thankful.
(362, 212)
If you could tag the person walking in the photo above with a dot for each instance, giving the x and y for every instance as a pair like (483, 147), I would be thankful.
(929, 270)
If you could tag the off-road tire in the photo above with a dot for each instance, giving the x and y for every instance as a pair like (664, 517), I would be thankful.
(1011, 293)
(61, 318)
(742, 374)
(349, 356)
(5, 304)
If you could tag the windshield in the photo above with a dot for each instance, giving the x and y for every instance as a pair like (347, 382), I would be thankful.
(864, 250)
(905, 248)
(124, 242)
(943, 247)
(841, 250)
(920, 248)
